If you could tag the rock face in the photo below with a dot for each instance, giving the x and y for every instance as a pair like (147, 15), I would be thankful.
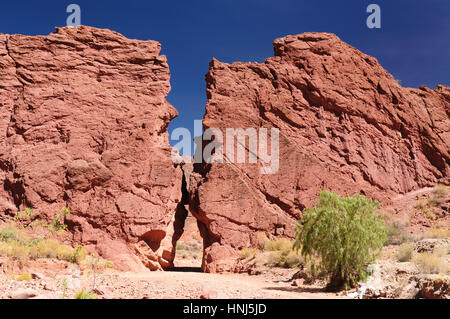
(345, 124)
(83, 124)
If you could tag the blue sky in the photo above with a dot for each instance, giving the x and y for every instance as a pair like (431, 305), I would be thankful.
(413, 43)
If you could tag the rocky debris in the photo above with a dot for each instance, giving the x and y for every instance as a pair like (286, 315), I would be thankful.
(345, 124)
(298, 282)
(83, 125)
(219, 258)
(429, 245)
(409, 291)
(401, 280)
(376, 286)
(433, 286)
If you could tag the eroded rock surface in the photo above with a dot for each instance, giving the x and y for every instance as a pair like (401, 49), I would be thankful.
(345, 123)
(83, 124)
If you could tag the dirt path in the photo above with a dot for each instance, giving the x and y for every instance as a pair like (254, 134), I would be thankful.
(188, 284)
(51, 279)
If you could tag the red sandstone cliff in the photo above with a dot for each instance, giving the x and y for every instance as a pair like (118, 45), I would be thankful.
(345, 123)
(83, 124)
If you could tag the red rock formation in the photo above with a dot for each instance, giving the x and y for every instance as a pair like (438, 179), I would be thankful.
(83, 124)
(345, 123)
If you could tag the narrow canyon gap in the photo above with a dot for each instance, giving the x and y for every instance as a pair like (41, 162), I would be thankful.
(83, 125)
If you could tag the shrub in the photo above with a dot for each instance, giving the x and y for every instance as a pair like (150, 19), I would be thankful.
(440, 192)
(17, 244)
(24, 277)
(282, 244)
(78, 254)
(397, 236)
(10, 232)
(405, 252)
(265, 244)
(396, 230)
(274, 258)
(284, 259)
(292, 260)
(281, 252)
(189, 249)
(344, 233)
(261, 240)
(431, 263)
(57, 224)
(248, 253)
(84, 294)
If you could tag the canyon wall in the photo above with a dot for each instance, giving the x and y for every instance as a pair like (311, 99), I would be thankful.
(345, 124)
(83, 124)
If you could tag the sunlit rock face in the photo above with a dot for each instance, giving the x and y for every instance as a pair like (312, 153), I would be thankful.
(345, 124)
(83, 124)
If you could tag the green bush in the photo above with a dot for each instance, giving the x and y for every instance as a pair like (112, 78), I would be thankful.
(57, 224)
(345, 234)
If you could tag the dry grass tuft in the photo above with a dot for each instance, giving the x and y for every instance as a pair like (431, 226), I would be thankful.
(405, 252)
(17, 244)
(281, 252)
(431, 263)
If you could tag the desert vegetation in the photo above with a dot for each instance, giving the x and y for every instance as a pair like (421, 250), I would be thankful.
(405, 252)
(433, 260)
(429, 206)
(190, 249)
(344, 234)
(28, 238)
(273, 253)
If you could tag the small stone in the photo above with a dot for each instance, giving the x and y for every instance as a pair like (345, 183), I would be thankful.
(297, 282)
(23, 294)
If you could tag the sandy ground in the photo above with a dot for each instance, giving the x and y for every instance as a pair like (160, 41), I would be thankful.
(56, 279)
